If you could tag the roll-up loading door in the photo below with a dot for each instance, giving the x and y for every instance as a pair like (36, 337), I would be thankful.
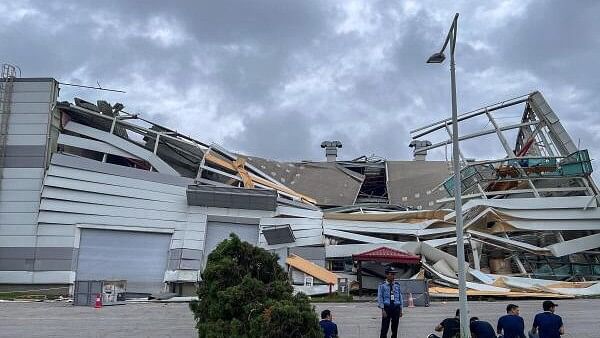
(138, 257)
(216, 232)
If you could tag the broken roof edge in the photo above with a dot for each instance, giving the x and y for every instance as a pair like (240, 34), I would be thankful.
(296, 204)
(71, 106)
(264, 180)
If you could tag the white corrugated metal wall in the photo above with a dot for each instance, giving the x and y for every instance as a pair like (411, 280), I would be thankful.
(23, 258)
(81, 193)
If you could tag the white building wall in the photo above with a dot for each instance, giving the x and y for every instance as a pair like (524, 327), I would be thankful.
(22, 253)
(83, 193)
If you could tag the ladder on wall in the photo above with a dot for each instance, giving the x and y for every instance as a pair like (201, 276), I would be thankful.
(7, 77)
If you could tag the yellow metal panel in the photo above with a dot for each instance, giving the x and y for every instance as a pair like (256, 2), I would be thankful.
(312, 269)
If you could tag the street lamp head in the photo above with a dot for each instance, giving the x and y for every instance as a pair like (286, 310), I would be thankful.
(437, 58)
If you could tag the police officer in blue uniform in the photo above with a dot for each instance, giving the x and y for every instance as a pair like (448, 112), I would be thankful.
(389, 300)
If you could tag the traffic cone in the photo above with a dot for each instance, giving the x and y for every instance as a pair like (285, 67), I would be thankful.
(411, 301)
(98, 301)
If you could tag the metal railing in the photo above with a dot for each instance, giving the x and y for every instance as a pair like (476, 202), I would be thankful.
(577, 164)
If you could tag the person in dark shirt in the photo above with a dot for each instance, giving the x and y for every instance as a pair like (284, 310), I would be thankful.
(547, 323)
(450, 327)
(327, 325)
(511, 325)
(481, 329)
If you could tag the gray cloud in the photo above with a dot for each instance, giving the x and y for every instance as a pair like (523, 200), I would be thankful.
(275, 78)
(266, 135)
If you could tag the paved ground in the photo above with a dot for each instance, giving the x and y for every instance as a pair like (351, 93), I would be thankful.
(66, 320)
(363, 319)
(175, 320)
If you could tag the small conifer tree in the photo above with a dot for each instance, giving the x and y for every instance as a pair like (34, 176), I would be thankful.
(245, 293)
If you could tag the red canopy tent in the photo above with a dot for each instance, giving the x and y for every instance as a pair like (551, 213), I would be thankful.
(383, 255)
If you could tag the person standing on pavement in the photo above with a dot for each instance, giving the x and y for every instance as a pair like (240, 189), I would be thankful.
(327, 325)
(548, 324)
(389, 300)
(511, 325)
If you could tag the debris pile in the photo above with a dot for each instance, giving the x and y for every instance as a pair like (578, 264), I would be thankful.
(531, 217)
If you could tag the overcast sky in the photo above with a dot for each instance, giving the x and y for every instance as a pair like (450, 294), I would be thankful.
(275, 78)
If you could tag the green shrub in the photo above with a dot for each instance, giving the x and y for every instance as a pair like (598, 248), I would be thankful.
(245, 293)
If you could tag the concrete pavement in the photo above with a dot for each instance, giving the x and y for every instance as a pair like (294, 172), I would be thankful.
(176, 320)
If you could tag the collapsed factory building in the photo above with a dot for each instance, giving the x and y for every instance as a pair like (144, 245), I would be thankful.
(89, 191)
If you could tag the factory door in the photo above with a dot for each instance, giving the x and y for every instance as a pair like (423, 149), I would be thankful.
(216, 232)
(138, 257)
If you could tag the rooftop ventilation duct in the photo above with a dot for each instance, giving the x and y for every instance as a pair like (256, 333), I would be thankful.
(331, 149)
(419, 155)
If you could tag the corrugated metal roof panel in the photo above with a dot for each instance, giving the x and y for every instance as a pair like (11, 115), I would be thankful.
(412, 183)
(329, 183)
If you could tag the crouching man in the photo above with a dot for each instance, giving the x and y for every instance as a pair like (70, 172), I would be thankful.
(449, 326)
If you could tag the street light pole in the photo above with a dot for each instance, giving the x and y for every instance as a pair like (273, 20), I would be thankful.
(460, 243)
